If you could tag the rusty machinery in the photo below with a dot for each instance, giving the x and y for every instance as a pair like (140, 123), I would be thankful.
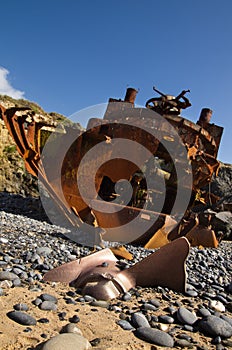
(201, 144)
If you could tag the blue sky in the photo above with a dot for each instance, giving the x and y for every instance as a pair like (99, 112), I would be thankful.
(68, 55)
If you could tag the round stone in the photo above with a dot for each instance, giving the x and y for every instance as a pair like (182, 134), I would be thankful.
(185, 316)
(204, 312)
(227, 319)
(21, 307)
(148, 306)
(48, 297)
(68, 341)
(16, 282)
(215, 326)
(6, 275)
(48, 306)
(155, 336)
(139, 320)
(183, 343)
(191, 293)
(155, 302)
(166, 319)
(71, 328)
(22, 318)
(125, 325)
(43, 251)
(100, 303)
(217, 305)
(126, 297)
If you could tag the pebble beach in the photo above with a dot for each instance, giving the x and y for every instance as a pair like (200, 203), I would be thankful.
(51, 316)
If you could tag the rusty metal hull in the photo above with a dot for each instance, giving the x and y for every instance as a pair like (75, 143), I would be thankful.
(201, 143)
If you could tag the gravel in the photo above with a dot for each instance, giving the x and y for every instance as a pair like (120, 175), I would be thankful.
(29, 248)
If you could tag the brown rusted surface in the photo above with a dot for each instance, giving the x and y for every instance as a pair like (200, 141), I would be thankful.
(98, 275)
(202, 236)
(61, 182)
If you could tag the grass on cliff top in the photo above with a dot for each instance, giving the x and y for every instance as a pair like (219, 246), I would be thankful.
(33, 106)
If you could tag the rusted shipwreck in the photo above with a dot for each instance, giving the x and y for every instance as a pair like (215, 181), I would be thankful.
(163, 132)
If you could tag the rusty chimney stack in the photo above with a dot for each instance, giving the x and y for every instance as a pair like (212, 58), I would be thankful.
(130, 95)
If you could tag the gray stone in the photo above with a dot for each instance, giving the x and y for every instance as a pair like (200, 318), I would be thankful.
(204, 312)
(100, 303)
(48, 306)
(155, 336)
(126, 297)
(227, 319)
(139, 320)
(191, 293)
(71, 328)
(88, 298)
(6, 275)
(16, 282)
(155, 302)
(148, 306)
(21, 307)
(48, 297)
(125, 325)
(1, 292)
(214, 326)
(22, 318)
(185, 316)
(68, 341)
(183, 343)
(43, 251)
(217, 305)
(166, 319)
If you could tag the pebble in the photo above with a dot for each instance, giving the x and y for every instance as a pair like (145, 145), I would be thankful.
(217, 305)
(70, 341)
(227, 319)
(46, 247)
(48, 297)
(183, 343)
(139, 320)
(163, 327)
(100, 303)
(215, 326)
(71, 328)
(48, 306)
(8, 276)
(43, 251)
(204, 312)
(16, 282)
(1, 292)
(191, 293)
(166, 319)
(185, 316)
(22, 318)
(126, 297)
(95, 341)
(148, 306)
(21, 307)
(155, 302)
(75, 319)
(125, 325)
(43, 320)
(155, 336)
(87, 298)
